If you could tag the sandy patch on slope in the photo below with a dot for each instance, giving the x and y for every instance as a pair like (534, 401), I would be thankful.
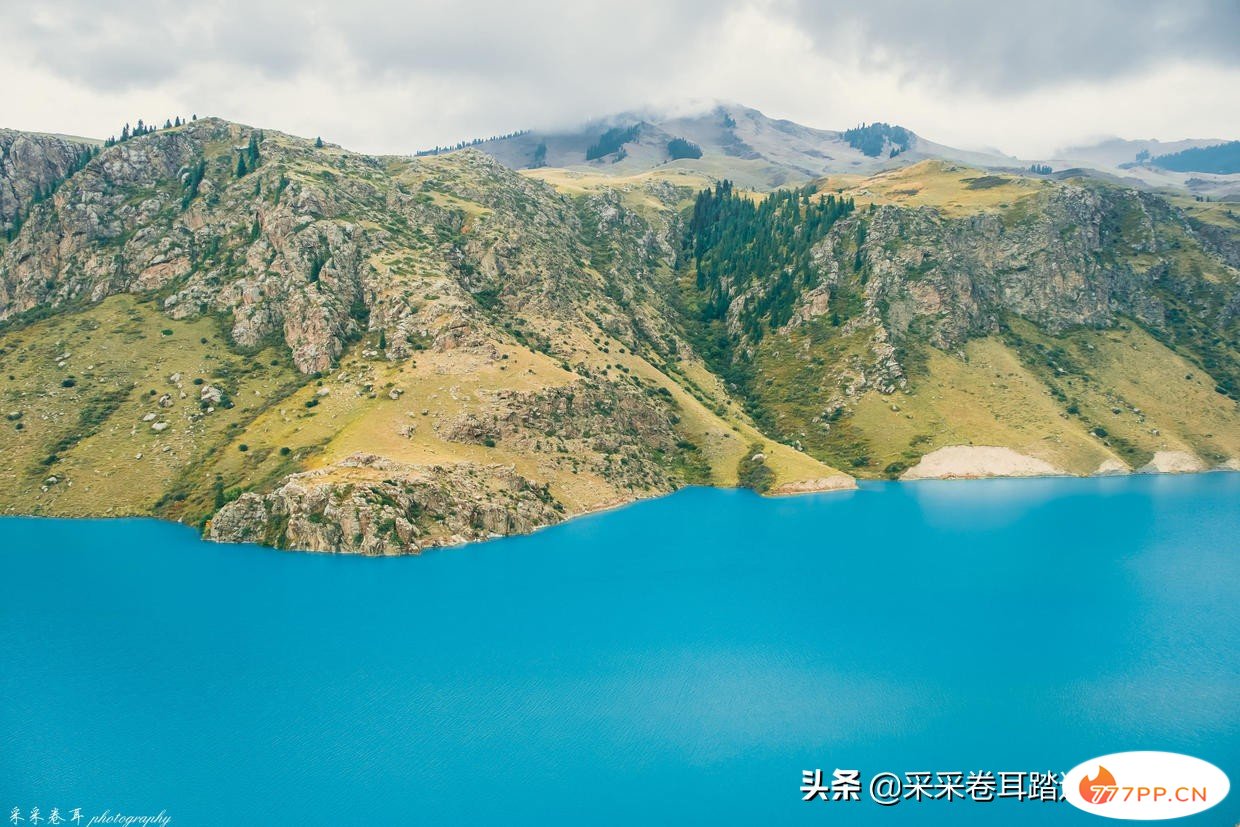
(1173, 462)
(1111, 467)
(972, 461)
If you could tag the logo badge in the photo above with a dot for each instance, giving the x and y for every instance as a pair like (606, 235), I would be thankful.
(1145, 786)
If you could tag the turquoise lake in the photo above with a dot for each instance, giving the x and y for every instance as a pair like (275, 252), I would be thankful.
(681, 660)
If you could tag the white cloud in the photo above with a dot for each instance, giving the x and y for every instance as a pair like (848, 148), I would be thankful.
(387, 77)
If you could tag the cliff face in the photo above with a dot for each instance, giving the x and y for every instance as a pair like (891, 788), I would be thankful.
(31, 167)
(1079, 256)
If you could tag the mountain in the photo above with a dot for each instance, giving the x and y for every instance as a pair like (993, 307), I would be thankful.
(757, 152)
(1135, 163)
(1221, 159)
(735, 142)
(392, 353)
(294, 344)
(1113, 153)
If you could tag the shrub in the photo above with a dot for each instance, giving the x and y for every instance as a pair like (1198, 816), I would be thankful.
(753, 473)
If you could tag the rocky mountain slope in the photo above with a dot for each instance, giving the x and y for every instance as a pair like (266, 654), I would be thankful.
(298, 345)
(211, 320)
(1017, 312)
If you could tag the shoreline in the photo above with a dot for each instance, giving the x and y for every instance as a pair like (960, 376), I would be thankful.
(859, 484)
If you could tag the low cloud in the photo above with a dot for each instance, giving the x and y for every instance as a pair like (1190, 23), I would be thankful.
(386, 77)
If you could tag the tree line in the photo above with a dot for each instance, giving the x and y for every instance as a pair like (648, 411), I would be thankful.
(143, 128)
(459, 145)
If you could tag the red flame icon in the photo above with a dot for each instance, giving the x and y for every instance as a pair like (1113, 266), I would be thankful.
(1098, 790)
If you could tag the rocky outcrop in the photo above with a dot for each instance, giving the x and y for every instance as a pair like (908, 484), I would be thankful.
(838, 482)
(614, 429)
(1076, 255)
(369, 505)
(1066, 262)
(32, 166)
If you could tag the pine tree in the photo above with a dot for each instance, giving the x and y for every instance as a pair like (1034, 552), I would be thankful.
(318, 143)
(251, 151)
(241, 170)
(192, 180)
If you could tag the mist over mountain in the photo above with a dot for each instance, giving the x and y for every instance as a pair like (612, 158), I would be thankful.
(744, 145)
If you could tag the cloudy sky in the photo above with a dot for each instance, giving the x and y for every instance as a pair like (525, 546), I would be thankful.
(397, 76)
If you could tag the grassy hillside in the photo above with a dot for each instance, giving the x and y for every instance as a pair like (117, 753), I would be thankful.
(307, 347)
(105, 410)
(958, 307)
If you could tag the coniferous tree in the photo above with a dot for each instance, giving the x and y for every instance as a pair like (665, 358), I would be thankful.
(318, 143)
(736, 245)
(681, 148)
(241, 170)
(192, 179)
(251, 151)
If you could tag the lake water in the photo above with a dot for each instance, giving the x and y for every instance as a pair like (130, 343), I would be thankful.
(681, 660)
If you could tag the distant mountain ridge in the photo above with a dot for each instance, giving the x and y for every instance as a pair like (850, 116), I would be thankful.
(1222, 159)
(744, 145)
(735, 142)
